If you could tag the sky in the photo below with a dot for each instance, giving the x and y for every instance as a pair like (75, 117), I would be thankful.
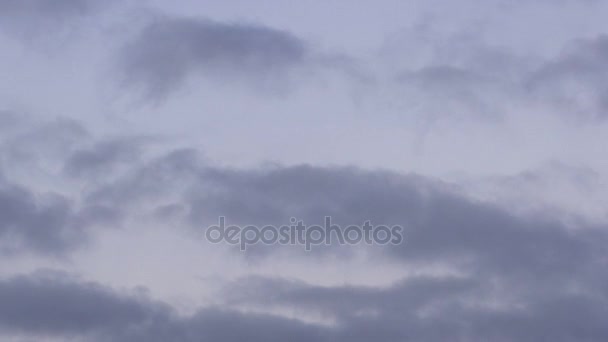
(129, 127)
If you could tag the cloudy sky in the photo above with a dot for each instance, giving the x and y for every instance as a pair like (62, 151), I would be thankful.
(127, 127)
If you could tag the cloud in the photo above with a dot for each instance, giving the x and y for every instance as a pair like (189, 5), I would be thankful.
(452, 91)
(467, 76)
(576, 81)
(29, 18)
(507, 265)
(513, 277)
(436, 308)
(43, 7)
(36, 218)
(28, 223)
(168, 50)
(103, 157)
(51, 140)
(51, 304)
(442, 223)
(47, 223)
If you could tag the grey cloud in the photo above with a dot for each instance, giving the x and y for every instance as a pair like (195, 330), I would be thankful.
(470, 78)
(463, 308)
(347, 302)
(31, 224)
(483, 235)
(52, 303)
(50, 141)
(44, 7)
(441, 224)
(529, 266)
(421, 309)
(165, 175)
(167, 50)
(212, 324)
(55, 305)
(303, 191)
(577, 80)
(438, 75)
(459, 75)
(47, 223)
(103, 157)
(563, 190)
(536, 268)
(454, 91)
(27, 18)
(42, 221)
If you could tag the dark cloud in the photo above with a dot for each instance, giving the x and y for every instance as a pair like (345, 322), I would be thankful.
(162, 56)
(55, 305)
(47, 223)
(424, 308)
(518, 275)
(441, 223)
(34, 219)
(308, 192)
(515, 277)
(28, 223)
(527, 266)
(482, 272)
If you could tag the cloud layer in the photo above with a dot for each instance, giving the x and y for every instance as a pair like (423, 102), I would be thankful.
(128, 128)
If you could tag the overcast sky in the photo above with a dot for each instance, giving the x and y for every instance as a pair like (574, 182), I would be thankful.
(127, 127)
